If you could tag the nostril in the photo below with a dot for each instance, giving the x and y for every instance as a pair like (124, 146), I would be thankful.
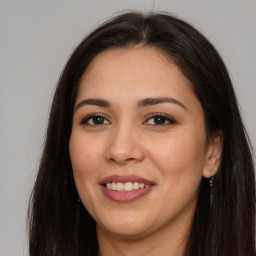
(112, 159)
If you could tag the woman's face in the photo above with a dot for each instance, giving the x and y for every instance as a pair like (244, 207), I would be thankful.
(138, 144)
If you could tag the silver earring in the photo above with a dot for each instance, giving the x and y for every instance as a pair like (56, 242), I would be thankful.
(211, 187)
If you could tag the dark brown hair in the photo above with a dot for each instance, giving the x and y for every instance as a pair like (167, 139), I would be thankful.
(59, 225)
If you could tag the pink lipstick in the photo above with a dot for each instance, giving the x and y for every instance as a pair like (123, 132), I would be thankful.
(125, 189)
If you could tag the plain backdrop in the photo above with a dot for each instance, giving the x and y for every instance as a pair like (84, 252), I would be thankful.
(36, 39)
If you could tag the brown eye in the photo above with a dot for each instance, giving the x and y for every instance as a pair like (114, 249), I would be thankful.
(94, 120)
(160, 120)
(97, 120)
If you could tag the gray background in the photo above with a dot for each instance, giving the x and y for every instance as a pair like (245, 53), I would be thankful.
(37, 37)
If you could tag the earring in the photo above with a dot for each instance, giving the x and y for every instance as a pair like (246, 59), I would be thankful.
(211, 187)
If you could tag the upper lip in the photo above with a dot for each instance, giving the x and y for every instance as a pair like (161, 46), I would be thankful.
(125, 178)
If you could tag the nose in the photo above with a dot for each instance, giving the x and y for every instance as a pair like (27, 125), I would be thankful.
(124, 146)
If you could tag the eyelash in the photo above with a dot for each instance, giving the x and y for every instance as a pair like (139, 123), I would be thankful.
(163, 118)
(85, 120)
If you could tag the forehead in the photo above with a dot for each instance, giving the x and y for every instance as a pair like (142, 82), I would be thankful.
(137, 72)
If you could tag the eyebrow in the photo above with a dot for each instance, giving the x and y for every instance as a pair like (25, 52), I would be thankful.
(159, 100)
(95, 102)
(141, 103)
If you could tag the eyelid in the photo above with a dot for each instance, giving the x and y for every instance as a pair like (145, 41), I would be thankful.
(163, 115)
(92, 115)
(170, 119)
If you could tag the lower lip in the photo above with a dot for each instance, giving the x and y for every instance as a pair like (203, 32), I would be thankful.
(125, 196)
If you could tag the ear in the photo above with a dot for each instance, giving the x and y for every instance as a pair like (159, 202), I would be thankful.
(213, 154)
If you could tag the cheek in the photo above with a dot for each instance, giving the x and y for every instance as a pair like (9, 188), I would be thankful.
(84, 155)
(180, 155)
(85, 160)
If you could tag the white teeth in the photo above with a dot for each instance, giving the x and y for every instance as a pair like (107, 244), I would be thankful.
(113, 186)
(136, 185)
(119, 186)
(128, 186)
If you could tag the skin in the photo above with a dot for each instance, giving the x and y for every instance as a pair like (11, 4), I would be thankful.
(127, 140)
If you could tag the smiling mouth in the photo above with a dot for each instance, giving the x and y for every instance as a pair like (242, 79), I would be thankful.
(125, 189)
(127, 186)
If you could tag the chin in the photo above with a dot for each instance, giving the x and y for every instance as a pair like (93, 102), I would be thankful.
(127, 226)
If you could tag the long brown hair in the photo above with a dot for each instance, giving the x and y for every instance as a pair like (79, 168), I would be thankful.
(60, 225)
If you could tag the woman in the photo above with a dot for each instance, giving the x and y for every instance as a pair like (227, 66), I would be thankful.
(145, 152)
